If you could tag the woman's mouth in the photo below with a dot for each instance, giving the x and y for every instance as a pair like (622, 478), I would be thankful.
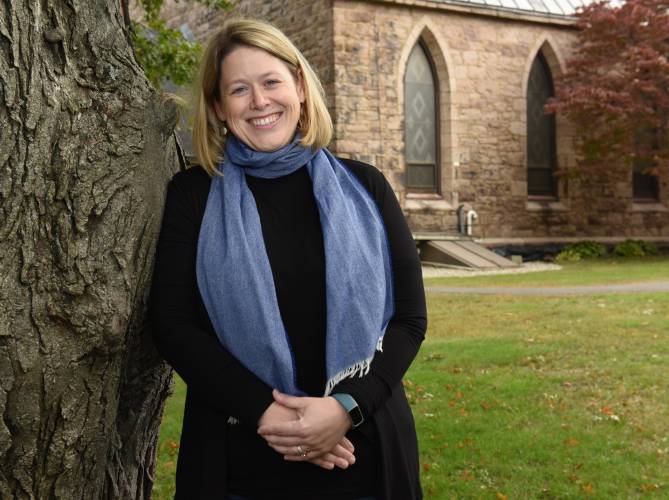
(265, 121)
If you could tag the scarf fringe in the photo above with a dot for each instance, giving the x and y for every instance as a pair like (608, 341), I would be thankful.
(361, 368)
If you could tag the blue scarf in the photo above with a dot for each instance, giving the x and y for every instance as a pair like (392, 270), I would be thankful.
(235, 278)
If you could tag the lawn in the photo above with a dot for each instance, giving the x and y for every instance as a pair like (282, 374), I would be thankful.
(533, 397)
(586, 272)
(544, 397)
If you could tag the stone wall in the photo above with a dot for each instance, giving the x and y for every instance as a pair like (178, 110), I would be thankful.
(482, 64)
(313, 38)
(360, 49)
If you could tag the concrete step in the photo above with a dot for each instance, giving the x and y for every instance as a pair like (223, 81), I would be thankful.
(462, 253)
(484, 253)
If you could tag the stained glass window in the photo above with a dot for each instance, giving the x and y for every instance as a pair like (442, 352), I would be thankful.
(541, 160)
(420, 108)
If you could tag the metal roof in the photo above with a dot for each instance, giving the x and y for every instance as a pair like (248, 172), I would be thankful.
(561, 8)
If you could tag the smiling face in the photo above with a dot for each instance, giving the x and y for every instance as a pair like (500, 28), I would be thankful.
(259, 98)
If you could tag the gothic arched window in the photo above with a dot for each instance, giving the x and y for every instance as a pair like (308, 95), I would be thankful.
(541, 155)
(645, 187)
(421, 124)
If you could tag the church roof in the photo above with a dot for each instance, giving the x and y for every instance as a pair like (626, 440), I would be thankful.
(561, 8)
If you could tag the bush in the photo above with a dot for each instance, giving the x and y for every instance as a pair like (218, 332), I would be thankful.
(635, 248)
(581, 250)
(568, 255)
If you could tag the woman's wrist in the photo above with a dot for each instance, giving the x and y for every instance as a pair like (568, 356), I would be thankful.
(351, 407)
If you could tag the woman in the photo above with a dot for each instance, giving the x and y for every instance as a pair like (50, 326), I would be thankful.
(287, 293)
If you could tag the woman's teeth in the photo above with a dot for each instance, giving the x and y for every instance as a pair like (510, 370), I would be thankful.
(266, 120)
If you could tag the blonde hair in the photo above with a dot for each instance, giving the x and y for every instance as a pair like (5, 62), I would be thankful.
(315, 123)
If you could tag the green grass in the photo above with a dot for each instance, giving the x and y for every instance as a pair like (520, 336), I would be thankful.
(533, 397)
(586, 272)
(544, 398)
(168, 442)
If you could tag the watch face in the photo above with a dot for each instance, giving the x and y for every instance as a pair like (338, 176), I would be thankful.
(356, 416)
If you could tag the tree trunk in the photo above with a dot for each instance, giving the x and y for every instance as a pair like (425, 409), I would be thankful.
(86, 148)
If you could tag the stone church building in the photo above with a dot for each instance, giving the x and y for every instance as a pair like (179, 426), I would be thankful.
(446, 98)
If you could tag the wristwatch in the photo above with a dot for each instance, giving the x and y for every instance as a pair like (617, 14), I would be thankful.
(351, 407)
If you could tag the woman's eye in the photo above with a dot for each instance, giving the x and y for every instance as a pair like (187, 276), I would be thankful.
(237, 90)
(272, 83)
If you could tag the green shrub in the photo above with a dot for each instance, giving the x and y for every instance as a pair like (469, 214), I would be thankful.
(581, 250)
(635, 248)
(568, 255)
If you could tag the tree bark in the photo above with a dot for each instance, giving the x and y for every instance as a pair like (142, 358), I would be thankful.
(86, 148)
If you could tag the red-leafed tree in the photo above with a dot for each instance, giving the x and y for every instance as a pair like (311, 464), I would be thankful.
(616, 87)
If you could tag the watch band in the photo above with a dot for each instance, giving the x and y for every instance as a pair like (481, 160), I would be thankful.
(351, 407)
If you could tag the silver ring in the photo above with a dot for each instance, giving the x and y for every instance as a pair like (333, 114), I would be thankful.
(302, 451)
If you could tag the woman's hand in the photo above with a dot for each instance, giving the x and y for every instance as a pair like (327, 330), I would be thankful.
(340, 456)
(317, 434)
(276, 413)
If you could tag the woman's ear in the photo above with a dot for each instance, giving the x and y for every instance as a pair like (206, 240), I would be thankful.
(301, 93)
(218, 108)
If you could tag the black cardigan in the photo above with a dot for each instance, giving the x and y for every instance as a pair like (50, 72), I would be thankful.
(218, 385)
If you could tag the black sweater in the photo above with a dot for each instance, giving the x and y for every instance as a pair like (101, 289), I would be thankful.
(293, 239)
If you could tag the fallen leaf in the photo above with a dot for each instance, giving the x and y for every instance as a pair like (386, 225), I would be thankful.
(606, 410)
(466, 475)
(571, 442)
(588, 488)
(426, 467)
(465, 442)
(501, 496)
(434, 357)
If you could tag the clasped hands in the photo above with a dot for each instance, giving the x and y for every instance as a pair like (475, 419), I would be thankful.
(308, 429)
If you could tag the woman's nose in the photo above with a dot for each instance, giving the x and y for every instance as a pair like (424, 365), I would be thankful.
(259, 99)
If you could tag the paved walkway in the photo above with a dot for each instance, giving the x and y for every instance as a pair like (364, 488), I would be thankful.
(656, 286)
